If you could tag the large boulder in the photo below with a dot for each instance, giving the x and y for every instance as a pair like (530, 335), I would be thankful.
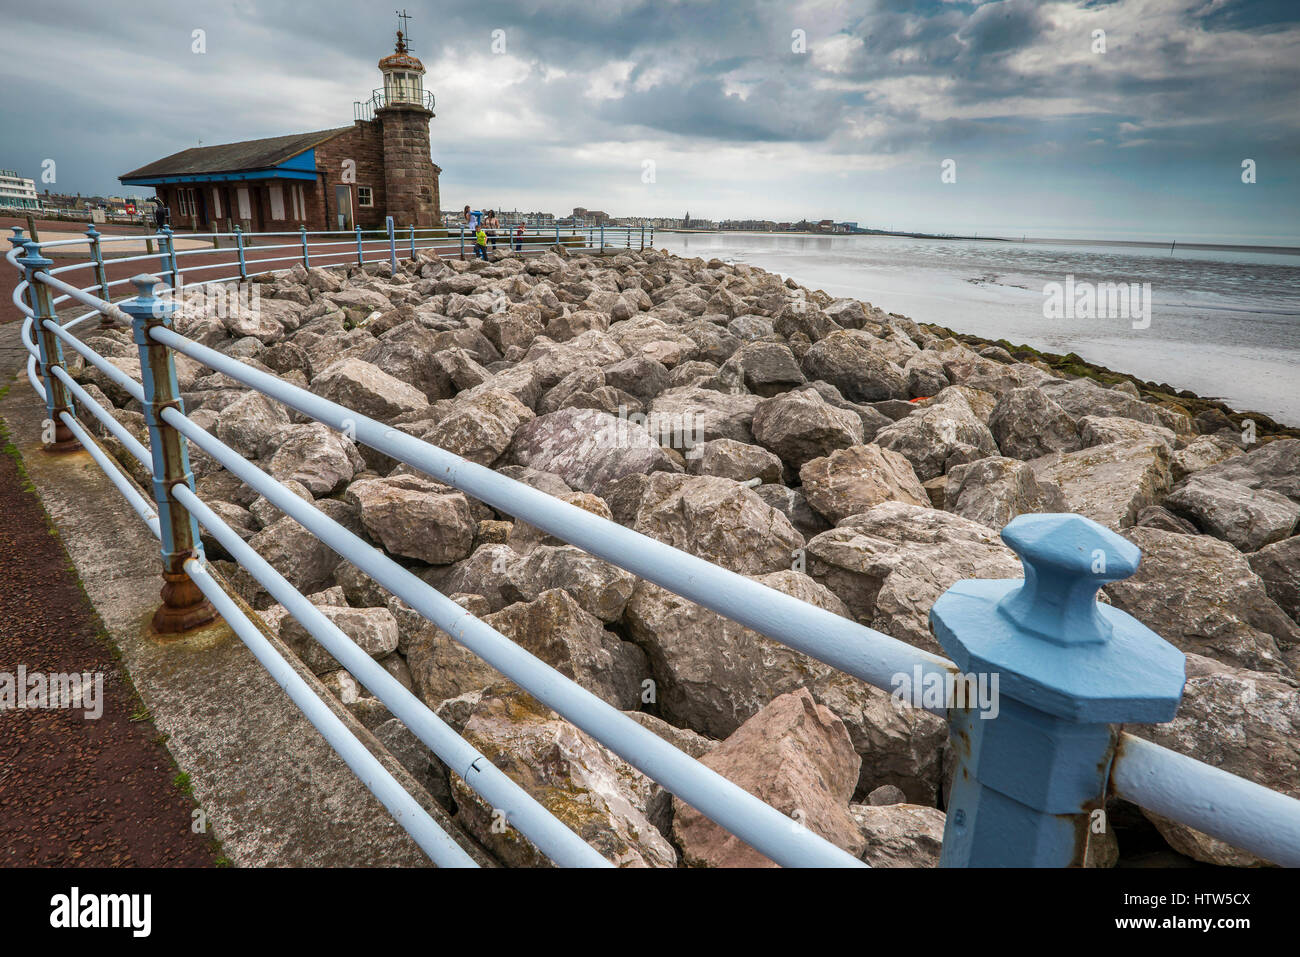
(800, 426)
(480, 426)
(602, 798)
(554, 360)
(794, 755)
(1274, 467)
(1101, 429)
(587, 448)
(303, 559)
(365, 388)
(890, 564)
(1027, 424)
(766, 368)
(1201, 595)
(714, 674)
(1279, 567)
(411, 356)
(252, 425)
(995, 490)
(556, 629)
(718, 520)
(1200, 453)
(854, 479)
(1244, 722)
(930, 437)
(854, 363)
(415, 517)
(373, 630)
(900, 835)
(1249, 518)
(599, 588)
(1081, 397)
(441, 667)
(727, 458)
(705, 414)
(1112, 483)
(316, 456)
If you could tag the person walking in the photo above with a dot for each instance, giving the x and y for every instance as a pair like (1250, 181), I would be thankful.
(519, 238)
(480, 243)
(493, 224)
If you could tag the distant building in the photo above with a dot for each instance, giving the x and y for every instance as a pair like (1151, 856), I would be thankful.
(330, 179)
(17, 192)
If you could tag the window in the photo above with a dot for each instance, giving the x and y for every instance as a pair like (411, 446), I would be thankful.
(277, 202)
(185, 204)
(245, 209)
(299, 203)
(364, 196)
(216, 203)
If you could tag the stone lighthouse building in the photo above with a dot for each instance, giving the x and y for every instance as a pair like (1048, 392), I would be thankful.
(410, 178)
(333, 179)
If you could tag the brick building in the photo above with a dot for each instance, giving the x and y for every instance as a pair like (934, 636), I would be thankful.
(330, 179)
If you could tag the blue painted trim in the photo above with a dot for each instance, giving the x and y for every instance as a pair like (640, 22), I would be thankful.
(219, 177)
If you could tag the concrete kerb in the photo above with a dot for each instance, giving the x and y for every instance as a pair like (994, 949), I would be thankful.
(274, 793)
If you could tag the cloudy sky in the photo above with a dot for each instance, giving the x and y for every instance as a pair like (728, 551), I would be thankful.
(818, 109)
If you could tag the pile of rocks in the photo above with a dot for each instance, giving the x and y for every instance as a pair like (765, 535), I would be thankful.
(848, 457)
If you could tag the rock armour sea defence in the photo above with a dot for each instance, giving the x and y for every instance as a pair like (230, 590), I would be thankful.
(845, 456)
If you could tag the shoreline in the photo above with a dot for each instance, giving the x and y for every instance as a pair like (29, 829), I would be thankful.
(1161, 392)
(1074, 365)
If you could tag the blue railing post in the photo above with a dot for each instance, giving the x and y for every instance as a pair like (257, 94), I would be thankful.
(239, 245)
(412, 243)
(602, 237)
(58, 399)
(184, 606)
(392, 243)
(557, 234)
(1033, 762)
(462, 240)
(101, 277)
(16, 240)
(168, 247)
(306, 256)
(361, 253)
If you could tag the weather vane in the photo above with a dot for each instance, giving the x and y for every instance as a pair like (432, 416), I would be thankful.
(406, 29)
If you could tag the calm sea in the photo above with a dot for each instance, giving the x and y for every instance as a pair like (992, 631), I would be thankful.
(1223, 323)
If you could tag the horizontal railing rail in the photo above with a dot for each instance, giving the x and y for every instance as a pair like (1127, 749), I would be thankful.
(1181, 788)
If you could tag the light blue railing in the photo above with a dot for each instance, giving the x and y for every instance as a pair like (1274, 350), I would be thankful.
(1028, 784)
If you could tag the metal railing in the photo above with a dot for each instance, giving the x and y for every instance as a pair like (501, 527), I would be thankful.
(1028, 781)
(365, 109)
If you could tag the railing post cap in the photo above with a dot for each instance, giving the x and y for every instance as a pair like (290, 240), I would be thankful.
(92, 232)
(1054, 646)
(146, 305)
(34, 259)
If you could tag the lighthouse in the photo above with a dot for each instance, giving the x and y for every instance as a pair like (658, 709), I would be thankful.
(410, 178)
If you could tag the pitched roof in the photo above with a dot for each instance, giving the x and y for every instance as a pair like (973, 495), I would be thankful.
(235, 157)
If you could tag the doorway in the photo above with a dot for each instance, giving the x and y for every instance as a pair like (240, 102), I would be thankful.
(343, 202)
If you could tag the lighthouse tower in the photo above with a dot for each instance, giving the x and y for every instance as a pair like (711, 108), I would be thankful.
(410, 176)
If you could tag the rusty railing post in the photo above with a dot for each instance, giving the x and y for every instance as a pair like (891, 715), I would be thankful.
(58, 399)
(1034, 758)
(101, 276)
(183, 606)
